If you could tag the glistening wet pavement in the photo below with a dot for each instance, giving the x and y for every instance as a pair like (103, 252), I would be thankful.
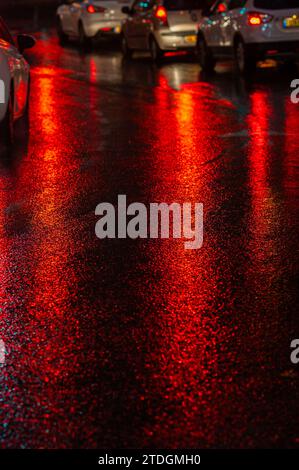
(123, 343)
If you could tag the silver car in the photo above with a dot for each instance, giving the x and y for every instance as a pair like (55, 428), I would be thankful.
(87, 19)
(14, 81)
(160, 26)
(249, 31)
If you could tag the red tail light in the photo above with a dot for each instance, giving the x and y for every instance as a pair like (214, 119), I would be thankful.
(257, 19)
(161, 14)
(93, 9)
(222, 8)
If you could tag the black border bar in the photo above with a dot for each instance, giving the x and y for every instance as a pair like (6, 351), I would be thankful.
(88, 459)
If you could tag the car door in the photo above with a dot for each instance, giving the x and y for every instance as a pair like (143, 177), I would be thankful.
(146, 23)
(65, 14)
(4, 81)
(213, 24)
(229, 22)
(75, 11)
(138, 23)
(19, 69)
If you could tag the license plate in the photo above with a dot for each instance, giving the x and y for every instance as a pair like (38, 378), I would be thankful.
(291, 22)
(117, 29)
(190, 39)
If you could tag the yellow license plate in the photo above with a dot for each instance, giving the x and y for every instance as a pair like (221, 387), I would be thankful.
(117, 29)
(190, 39)
(291, 22)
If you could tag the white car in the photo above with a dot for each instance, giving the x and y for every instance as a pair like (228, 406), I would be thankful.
(14, 80)
(87, 19)
(161, 26)
(249, 31)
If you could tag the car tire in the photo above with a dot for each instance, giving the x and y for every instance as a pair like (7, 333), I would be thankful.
(245, 62)
(126, 50)
(63, 38)
(7, 125)
(204, 55)
(155, 51)
(84, 41)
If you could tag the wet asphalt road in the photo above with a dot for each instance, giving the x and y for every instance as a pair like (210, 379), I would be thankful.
(122, 343)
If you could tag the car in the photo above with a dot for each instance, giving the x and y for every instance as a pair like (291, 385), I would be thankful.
(248, 31)
(14, 79)
(160, 26)
(87, 19)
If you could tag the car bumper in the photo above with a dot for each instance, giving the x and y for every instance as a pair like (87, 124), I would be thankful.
(276, 50)
(172, 41)
(103, 28)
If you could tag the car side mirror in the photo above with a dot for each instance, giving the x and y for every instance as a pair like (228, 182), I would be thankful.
(25, 41)
(127, 10)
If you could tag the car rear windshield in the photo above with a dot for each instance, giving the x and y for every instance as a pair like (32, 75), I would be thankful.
(177, 5)
(276, 4)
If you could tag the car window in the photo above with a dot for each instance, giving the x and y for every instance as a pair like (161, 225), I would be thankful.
(5, 34)
(179, 5)
(276, 4)
(233, 4)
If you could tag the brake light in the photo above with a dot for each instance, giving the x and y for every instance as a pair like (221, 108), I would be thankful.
(222, 8)
(256, 19)
(161, 14)
(92, 9)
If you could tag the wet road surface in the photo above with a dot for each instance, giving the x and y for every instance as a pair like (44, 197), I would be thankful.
(122, 343)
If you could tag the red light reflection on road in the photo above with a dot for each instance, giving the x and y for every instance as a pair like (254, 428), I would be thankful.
(291, 152)
(46, 183)
(268, 236)
(259, 158)
(266, 206)
(184, 354)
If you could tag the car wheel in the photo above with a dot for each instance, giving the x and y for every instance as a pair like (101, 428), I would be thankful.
(244, 61)
(126, 50)
(63, 38)
(205, 56)
(155, 51)
(7, 125)
(84, 41)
